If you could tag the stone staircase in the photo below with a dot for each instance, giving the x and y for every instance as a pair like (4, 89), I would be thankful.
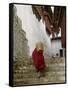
(24, 72)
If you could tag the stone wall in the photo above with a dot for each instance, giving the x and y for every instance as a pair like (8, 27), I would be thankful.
(20, 42)
(56, 46)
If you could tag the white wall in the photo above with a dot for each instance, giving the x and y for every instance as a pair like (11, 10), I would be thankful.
(34, 29)
(56, 46)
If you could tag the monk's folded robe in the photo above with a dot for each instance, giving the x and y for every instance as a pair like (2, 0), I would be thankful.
(38, 59)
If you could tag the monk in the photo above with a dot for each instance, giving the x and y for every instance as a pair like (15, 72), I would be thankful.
(38, 58)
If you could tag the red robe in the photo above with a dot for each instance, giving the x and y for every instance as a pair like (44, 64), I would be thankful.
(38, 60)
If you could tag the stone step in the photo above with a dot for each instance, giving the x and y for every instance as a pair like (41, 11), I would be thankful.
(49, 69)
(33, 68)
(49, 65)
(56, 69)
(60, 64)
(23, 83)
(48, 74)
(40, 80)
(28, 62)
(34, 71)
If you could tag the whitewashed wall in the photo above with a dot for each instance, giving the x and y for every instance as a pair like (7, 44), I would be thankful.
(34, 29)
(56, 46)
